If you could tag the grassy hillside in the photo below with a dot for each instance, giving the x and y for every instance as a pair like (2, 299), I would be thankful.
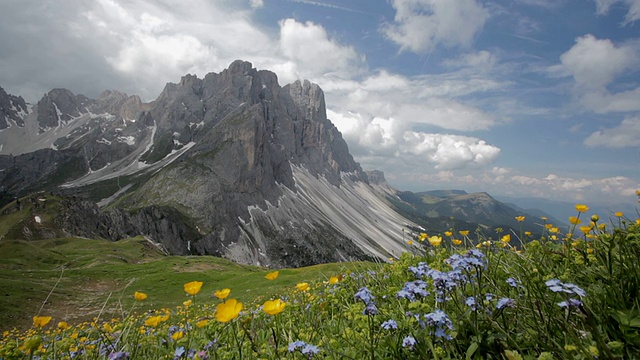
(82, 278)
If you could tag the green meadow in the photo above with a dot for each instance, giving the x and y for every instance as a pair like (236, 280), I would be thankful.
(571, 295)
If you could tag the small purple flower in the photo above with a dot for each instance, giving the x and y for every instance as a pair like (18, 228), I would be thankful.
(390, 324)
(371, 309)
(471, 303)
(119, 355)
(570, 303)
(441, 322)
(309, 349)
(409, 342)
(295, 345)
(556, 285)
(364, 294)
(513, 282)
(505, 302)
(179, 352)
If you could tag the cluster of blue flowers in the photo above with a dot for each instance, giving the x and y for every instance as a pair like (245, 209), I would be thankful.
(365, 295)
(570, 289)
(305, 349)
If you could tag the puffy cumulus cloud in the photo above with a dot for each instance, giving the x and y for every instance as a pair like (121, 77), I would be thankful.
(632, 15)
(152, 44)
(627, 134)
(378, 137)
(422, 25)
(420, 100)
(594, 64)
(309, 45)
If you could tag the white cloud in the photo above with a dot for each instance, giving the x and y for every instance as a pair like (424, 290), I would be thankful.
(308, 44)
(632, 15)
(257, 4)
(483, 61)
(389, 137)
(594, 64)
(422, 25)
(627, 134)
(503, 181)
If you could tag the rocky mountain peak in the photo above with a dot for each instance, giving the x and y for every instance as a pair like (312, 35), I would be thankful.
(59, 105)
(12, 108)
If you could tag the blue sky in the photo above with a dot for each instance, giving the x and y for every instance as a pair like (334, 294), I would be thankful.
(513, 97)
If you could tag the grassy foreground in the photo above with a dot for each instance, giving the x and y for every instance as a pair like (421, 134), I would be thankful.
(564, 296)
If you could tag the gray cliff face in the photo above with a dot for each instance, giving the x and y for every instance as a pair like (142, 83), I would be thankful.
(12, 108)
(230, 165)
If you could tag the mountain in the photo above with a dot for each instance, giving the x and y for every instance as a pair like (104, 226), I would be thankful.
(443, 210)
(231, 165)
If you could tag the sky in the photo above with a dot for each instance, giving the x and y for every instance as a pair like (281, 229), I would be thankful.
(524, 98)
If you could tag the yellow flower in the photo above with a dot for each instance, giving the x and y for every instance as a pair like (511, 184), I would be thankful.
(222, 294)
(435, 241)
(602, 226)
(527, 233)
(582, 208)
(62, 325)
(638, 192)
(41, 321)
(228, 310)
(193, 287)
(464, 232)
(638, 221)
(303, 286)
(574, 220)
(554, 230)
(272, 275)
(107, 327)
(139, 296)
(273, 307)
(202, 323)
(548, 226)
(422, 237)
(543, 218)
(335, 279)
(519, 218)
(153, 321)
(410, 242)
(187, 303)
(619, 214)
(595, 218)
(456, 241)
(586, 229)
(448, 233)
(505, 239)
(177, 335)
(589, 251)
(392, 259)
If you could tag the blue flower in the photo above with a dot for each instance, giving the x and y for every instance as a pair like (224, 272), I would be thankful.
(309, 349)
(389, 324)
(412, 289)
(179, 352)
(371, 309)
(513, 282)
(556, 285)
(409, 342)
(441, 322)
(119, 355)
(570, 303)
(365, 295)
(471, 303)
(295, 345)
(504, 302)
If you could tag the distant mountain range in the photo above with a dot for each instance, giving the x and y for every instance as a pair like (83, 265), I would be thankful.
(231, 165)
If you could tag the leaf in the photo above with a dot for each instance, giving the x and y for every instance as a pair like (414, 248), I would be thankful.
(471, 350)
